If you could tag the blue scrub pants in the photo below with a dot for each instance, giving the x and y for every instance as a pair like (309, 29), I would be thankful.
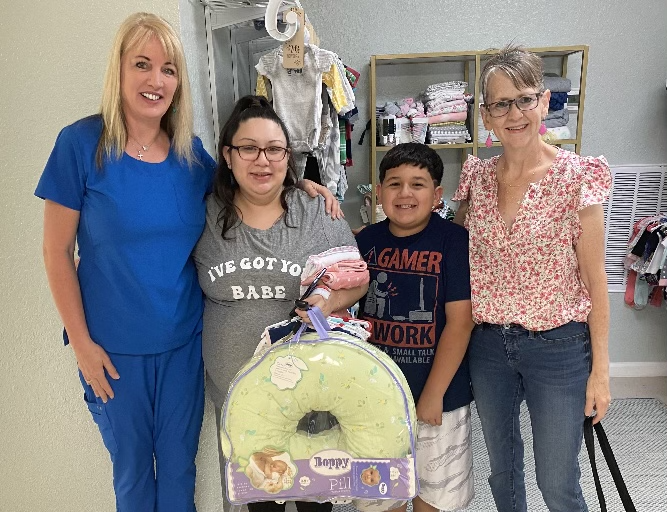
(151, 427)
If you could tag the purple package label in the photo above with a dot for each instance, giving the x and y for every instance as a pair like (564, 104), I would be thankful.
(331, 474)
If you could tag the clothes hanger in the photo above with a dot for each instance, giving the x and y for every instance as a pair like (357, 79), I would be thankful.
(271, 21)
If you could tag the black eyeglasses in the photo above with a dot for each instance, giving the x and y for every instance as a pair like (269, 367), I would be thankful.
(523, 103)
(251, 153)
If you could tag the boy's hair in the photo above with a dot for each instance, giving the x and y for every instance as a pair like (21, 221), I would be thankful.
(413, 153)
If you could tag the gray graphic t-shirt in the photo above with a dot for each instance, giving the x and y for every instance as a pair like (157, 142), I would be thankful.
(251, 280)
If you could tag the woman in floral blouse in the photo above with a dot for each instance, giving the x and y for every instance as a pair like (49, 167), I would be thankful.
(539, 289)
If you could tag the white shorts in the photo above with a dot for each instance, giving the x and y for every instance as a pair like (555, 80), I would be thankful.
(444, 465)
(444, 461)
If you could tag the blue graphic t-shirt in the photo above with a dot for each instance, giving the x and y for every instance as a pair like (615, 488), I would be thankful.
(411, 279)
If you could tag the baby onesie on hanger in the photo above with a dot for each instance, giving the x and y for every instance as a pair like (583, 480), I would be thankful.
(328, 156)
(297, 93)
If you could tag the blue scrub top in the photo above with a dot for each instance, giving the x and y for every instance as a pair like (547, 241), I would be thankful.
(139, 223)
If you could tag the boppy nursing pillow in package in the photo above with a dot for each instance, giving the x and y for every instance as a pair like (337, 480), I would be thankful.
(368, 455)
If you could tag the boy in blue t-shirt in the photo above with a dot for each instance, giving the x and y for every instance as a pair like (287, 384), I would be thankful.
(419, 304)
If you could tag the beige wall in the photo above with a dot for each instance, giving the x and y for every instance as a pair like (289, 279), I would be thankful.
(52, 61)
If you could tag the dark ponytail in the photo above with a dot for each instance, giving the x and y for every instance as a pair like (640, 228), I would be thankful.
(224, 185)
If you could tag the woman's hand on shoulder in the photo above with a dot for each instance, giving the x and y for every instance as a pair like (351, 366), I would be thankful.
(331, 204)
(95, 364)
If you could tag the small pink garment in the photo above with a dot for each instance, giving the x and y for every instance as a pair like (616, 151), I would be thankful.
(444, 118)
(343, 275)
(345, 269)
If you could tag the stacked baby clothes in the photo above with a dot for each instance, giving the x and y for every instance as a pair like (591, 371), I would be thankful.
(447, 111)
(559, 87)
(445, 102)
(452, 132)
(344, 269)
(344, 266)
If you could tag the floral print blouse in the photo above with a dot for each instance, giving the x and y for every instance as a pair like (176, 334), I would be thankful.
(529, 274)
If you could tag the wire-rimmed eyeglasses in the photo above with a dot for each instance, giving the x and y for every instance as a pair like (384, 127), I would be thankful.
(251, 153)
(501, 108)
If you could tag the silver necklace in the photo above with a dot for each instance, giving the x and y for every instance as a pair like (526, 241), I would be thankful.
(144, 147)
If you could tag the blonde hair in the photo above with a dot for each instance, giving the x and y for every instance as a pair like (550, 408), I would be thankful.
(524, 68)
(133, 33)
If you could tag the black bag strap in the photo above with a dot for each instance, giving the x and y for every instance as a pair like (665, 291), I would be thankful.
(628, 505)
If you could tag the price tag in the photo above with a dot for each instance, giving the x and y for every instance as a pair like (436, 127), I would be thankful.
(286, 372)
(293, 49)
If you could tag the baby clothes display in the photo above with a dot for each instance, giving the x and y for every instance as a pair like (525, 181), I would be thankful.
(447, 108)
(646, 261)
(309, 101)
(297, 93)
(439, 119)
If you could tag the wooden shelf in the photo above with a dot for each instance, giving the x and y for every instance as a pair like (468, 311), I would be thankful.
(421, 58)
(434, 146)
(472, 66)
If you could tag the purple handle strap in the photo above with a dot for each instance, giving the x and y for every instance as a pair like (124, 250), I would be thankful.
(319, 322)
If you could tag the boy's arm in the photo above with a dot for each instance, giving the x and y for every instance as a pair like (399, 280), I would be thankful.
(451, 349)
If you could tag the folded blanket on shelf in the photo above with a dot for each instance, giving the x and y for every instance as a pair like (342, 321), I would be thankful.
(557, 100)
(459, 107)
(436, 103)
(453, 124)
(557, 133)
(557, 118)
(443, 96)
(448, 140)
(454, 116)
(452, 86)
(557, 83)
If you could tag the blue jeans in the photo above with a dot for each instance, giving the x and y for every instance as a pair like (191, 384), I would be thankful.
(549, 369)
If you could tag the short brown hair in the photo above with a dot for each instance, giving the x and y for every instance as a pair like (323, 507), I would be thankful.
(524, 68)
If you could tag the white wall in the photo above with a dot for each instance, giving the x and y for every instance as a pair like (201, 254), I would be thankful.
(52, 59)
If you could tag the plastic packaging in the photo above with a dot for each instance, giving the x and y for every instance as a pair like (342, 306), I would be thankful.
(419, 129)
(403, 131)
(322, 416)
